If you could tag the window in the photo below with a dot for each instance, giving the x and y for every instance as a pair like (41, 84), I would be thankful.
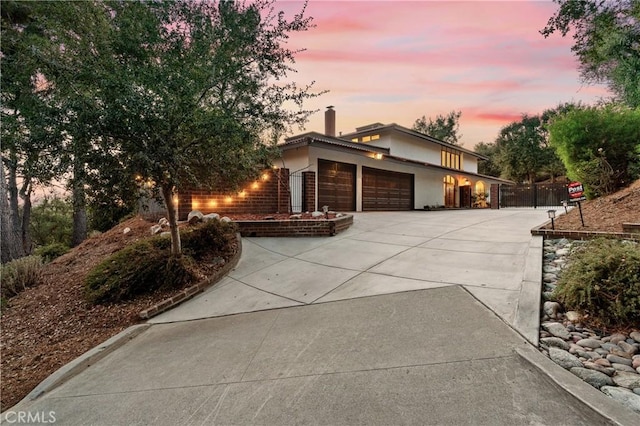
(450, 157)
(354, 140)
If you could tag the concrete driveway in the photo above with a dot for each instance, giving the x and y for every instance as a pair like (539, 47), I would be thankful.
(378, 326)
(486, 251)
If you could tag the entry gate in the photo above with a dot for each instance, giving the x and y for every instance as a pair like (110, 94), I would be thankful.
(535, 195)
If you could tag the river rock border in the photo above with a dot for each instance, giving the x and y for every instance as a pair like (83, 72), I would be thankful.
(610, 363)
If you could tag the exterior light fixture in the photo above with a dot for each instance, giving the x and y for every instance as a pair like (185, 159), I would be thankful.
(255, 185)
(377, 156)
(265, 176)
(552, 216)
(228, 200)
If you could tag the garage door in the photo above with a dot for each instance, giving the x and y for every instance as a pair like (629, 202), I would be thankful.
(336, 185)
(385, 190)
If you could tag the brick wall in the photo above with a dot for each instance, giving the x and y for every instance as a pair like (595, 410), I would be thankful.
(269, 194)
(294, 228)
(308, 191)
(495, 196)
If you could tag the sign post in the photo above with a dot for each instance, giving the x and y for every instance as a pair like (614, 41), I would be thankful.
(576, 194)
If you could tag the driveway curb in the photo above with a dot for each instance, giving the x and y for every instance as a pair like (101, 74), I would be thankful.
(527, 317)
(611, 411)
(83, 362)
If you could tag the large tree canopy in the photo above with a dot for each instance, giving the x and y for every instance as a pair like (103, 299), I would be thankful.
(445, 128)
(176, 93)
(606, 35)
(195, 90)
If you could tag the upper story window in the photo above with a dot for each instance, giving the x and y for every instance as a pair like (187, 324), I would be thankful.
(450, 158)
(366, 138)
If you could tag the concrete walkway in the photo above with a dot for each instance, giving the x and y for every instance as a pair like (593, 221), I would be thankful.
(384, 324)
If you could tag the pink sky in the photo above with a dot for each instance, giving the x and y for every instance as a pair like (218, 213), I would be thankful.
(395, 61)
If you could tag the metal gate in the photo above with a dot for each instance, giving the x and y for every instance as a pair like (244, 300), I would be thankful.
(297, 191)
(535, 195)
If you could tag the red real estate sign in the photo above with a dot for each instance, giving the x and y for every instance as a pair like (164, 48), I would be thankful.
(576, 192)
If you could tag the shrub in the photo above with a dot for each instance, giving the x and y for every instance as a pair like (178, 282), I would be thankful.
(19, 274)
(209, 237)
(147, 265)
(51, 251)
(140, 268)
(602, 279)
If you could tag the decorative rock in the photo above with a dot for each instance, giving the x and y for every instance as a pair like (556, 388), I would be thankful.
(618, 359)
(295, 216)
(622, 367)
(619, 352)
(211, 216)
(549, 277)
(593, 366)
(602, 352)
(594, 378)
(589, 343)
(317, 214)
(562, 252)
(156, 229)
(636, 391)
(603, 362)
(623, 396)
(126, 230)
(551, 309)
(556, 342)
(194, 217)
(627, 380)
(564, 358)
(635, 335)
(340, 214)
(616, 338)
(165, 234)
(630, 349)
(608, 346)
(635, 362)
(225, 219)
(557, 330)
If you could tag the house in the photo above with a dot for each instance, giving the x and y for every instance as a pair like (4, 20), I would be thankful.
(381, 167)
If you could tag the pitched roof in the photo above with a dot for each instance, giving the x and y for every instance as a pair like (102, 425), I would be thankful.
(378, 127)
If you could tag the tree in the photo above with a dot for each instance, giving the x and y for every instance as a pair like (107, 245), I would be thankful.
(195, 90)
(599, 146)
(521, 145)
(488, 167)
(30, 136)
(444, 128)
(606, 35)
(10, 241)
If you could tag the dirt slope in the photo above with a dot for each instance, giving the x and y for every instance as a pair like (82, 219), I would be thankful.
(605, 213)
(49, 325)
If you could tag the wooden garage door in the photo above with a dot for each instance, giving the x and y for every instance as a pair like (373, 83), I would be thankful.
(336, 185)
(385, 190)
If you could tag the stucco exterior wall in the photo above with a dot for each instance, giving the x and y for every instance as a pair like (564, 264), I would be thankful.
(428, 182)
(469, 163)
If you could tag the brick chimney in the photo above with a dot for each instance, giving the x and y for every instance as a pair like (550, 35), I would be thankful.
(330, 121)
